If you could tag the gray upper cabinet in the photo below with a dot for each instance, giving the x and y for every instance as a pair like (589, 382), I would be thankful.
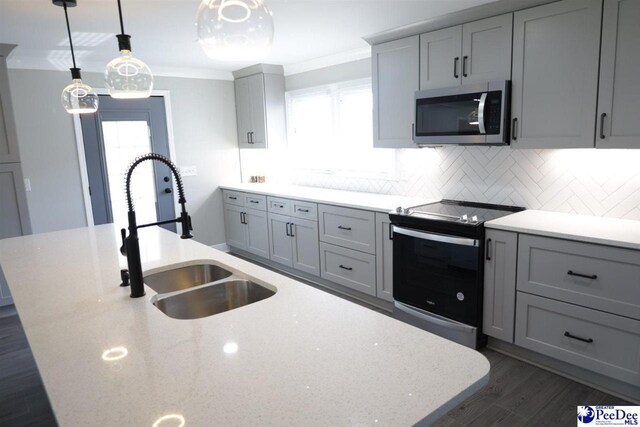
(618, 124)
(440, 58)
(486, 49)
(479, 51)
(395, 70)
(556, 49)
(8, 137)
(260, 110)
(499, 310)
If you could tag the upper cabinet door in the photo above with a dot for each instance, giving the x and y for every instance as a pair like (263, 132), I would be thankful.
(258, 137)
(395, 69)
(243, 111)
(8, 137)
(618, 124)
(486, 49)
(441, 58)
(556, 49)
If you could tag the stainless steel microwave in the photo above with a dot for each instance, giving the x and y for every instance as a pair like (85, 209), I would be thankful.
(472, 114)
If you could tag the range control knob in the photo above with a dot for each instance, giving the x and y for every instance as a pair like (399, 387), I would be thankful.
(474, 219)
(465, 218)
(408, 211)
(399, 210)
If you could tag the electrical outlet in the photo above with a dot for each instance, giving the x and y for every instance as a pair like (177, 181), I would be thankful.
(27, 184)
(188, 171)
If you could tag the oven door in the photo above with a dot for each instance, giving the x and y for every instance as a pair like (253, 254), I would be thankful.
(438, 273)
(467, 115)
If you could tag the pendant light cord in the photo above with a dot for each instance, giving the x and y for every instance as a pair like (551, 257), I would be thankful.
(73, 56)
(120, 14)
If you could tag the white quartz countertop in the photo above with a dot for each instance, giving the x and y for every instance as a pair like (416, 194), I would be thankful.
(349, 199)
(622, 233)
(303, 357)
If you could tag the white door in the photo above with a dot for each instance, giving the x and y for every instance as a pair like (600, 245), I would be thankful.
(280, 246)
(234, 226)
(257, 232)
(384, 257)
(486, 49)
(618, 118)
(306, 246)
(396, 78)
(258, 137)
(440, 58)
(556, 49)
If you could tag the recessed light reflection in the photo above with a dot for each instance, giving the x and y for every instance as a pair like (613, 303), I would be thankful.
(173, 420)
(115, 353)
(230, 348)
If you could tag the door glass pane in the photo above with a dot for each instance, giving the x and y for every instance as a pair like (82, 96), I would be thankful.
(123, 142)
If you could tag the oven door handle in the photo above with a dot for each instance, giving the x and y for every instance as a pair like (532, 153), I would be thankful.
(461, 241)
(483, 100)
(433, 318)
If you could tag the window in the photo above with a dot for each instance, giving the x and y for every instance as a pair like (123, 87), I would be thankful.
(330, 130)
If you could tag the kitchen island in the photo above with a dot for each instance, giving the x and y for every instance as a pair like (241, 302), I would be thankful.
(299, 357)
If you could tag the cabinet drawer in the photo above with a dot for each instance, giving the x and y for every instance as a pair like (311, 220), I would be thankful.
(278, 205)
(233, 197)
(351, 228)
(593, 276)
(255, 201)
(597, 341)
(347, 267)
(304, 210)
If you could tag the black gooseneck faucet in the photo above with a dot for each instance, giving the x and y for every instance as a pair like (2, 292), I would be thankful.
(130, 246)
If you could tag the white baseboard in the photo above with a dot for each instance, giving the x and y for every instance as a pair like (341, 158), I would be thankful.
(221, 247)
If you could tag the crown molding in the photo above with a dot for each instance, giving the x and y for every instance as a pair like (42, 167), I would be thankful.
(327, 61)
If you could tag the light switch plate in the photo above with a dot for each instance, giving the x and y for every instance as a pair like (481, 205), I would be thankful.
(188, 171)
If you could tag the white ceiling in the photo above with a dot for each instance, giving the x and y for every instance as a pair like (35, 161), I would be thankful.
(164, 35)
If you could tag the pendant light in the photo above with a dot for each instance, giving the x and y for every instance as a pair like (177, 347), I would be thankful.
(127, 77)
(77, 98)
(235, 30)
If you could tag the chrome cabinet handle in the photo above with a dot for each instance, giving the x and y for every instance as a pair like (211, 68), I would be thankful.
(464, 66)
(570, 335)
(455, 67)
(344, 228)
(345, 268)
(514, 129)
(586, 276)
(602, 117)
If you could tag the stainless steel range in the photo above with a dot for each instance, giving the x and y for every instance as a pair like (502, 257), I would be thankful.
(438, 260)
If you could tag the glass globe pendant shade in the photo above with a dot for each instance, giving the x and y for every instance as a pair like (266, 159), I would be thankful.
(79, 98)
(235, 30)
(127, 77)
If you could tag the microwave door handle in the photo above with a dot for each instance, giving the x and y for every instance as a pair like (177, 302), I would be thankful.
(481, 104)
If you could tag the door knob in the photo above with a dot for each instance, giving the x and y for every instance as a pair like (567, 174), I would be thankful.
(168, 191)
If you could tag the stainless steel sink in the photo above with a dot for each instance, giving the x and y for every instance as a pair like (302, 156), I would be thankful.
(181, 278)
(213, 299)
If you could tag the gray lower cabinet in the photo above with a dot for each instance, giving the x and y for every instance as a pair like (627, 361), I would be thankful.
(556, 51)
(384, 257)
(395, 71)
(499, 309)
(618, 124)
(247, 229)
(351, 228)
(294, 243)
(14, 219)
(591, 339)
(353, 269)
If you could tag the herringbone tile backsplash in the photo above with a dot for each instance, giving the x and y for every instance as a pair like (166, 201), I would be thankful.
(590, 182)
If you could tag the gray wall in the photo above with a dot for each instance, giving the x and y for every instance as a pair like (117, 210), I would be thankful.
(204, 132)
(354, 70)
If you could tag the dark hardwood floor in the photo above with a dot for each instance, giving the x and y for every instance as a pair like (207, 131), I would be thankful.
(518, 394)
